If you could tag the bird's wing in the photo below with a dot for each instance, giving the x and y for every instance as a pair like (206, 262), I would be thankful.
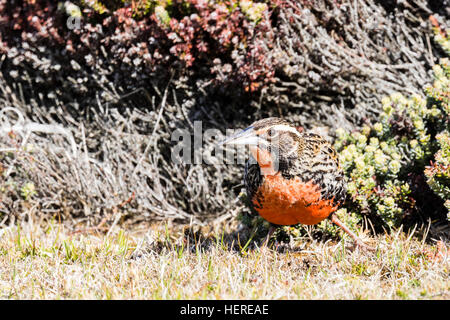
(252, 178)
(319, 163)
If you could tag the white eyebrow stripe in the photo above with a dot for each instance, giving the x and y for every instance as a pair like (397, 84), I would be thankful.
(283, 127)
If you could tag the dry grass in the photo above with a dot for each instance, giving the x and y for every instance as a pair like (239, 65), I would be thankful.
(51, 262)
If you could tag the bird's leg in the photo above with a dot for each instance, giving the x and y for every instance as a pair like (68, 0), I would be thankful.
(269, 234)
(355, 238)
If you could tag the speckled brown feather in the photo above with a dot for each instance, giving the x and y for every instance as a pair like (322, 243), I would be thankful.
(309, 184)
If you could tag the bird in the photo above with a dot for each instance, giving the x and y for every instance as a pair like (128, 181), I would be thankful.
(292, 177)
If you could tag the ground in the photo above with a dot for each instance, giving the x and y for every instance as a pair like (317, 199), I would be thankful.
(53, 261)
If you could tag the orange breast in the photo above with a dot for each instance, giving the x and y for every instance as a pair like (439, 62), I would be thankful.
(292, 201)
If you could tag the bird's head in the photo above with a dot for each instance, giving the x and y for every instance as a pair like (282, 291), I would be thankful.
(273, 143)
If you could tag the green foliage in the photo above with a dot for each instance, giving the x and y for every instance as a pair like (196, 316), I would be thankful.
(28, 190)
(101, 7)
(438, 173)
(443, 38)
(384, 162)
(162, 15)
(253, 10)
(139, 8)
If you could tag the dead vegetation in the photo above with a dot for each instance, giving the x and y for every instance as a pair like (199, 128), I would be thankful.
(166, 262)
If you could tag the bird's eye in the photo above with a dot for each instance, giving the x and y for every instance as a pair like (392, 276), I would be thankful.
(271, 133)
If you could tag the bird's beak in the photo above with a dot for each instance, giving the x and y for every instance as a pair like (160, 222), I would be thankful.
(245, 137)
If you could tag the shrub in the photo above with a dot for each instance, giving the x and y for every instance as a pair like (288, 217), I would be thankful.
(215, 35)
(438, 173)
(386, 162)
